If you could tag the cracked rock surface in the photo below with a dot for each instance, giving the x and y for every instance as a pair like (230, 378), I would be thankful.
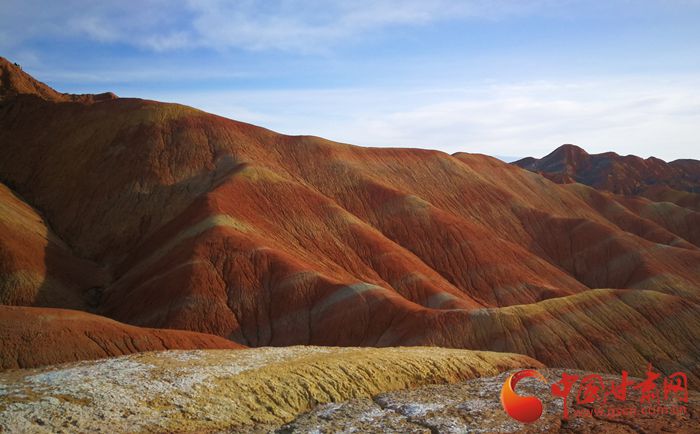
(224, 390)
(473, 406)
(307, 390)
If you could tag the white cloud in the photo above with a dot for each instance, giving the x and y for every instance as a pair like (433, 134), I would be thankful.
(645, 116)
(307, 25)
(296, 25)
(641, 116)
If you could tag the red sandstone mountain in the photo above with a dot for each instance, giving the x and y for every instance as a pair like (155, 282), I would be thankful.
(677, 181)
(160, 215)
(31, 336)
(14, 82)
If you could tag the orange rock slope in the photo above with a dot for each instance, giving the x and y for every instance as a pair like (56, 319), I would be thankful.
(207, 224)
(31, 337)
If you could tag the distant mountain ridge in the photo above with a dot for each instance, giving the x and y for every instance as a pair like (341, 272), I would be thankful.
(628, 175)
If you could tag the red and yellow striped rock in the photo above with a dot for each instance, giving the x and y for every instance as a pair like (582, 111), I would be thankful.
(192, 221)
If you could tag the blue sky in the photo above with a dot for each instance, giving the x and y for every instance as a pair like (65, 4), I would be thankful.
(501, 77)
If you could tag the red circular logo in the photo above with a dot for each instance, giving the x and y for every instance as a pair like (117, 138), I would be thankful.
(526, 409)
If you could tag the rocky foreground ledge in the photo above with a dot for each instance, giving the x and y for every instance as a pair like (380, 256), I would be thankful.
(293, 389)
(473, 406)
(224, 390)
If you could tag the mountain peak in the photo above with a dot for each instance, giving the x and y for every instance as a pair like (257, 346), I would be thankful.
(14, 81)
(610, 171)
(569, 152)
(561, 158)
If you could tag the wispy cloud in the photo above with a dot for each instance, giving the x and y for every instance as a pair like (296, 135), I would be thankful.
(457, 75)
(634, 115)
(304, 25)
(295, 25)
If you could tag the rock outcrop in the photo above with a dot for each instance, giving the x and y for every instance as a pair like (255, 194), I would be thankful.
(318, 389)
(241, 391)
(473, 406)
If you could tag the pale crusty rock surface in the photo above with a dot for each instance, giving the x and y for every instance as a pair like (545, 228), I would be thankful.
(473, 406)
(224, 390)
